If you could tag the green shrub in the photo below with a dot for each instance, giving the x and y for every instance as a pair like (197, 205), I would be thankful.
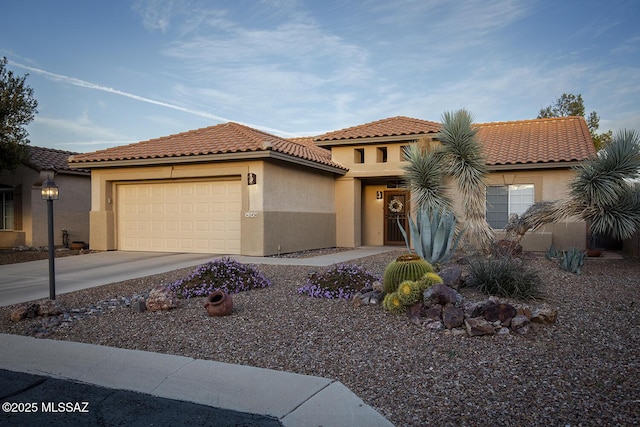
(504, 277)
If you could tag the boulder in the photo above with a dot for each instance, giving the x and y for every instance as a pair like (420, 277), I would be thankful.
(477, 326)
(434, 312)
(416, 312)
(452, 316)
(544, 315)
(500, 312)
(161, 298)
(24, 311)
(441, 294)
(452, 276)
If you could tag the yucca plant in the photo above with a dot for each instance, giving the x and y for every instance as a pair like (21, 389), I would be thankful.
(458, 156)
(604, 193)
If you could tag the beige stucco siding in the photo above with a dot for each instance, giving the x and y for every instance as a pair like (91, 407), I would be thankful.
(70, 211)
(360, 215)
(298, 208)
(289, 208)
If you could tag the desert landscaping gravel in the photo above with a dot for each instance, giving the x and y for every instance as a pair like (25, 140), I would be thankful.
(583, 370)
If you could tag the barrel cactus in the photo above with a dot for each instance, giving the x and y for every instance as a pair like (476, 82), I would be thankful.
(392, 303)
(428, 280)
(409, 292)
(405, 267)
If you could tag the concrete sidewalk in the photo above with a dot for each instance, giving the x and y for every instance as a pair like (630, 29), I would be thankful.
(292, 399)
(232, 394)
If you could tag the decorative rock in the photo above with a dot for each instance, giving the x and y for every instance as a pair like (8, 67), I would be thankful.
(49, 308)
(503, 331)
(161, 298)
(520, 324)
(524, 311)
(452, 276)
(500, 312)
(434, 312)
(452, 316)
(24, 311)
(441, 294)
(415, 312)
(544, 315)
(435, 325)
(139, 306)
(477, 326)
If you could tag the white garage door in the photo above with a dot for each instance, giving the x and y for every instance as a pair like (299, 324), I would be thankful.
(201, 217)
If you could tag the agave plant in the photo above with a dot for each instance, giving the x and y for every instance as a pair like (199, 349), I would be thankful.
(434, 234)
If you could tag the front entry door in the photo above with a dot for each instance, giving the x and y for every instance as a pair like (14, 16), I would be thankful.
(396, 208)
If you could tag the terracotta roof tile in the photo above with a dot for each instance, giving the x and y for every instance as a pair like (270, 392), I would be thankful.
(563, 139)
(224, 138)
(42, 158)
(394, 126)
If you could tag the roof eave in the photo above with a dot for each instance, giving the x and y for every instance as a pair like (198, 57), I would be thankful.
(529, 166)
(372, 139)
(221, 157)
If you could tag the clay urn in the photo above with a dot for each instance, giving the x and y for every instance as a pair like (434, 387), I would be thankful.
(219, 303)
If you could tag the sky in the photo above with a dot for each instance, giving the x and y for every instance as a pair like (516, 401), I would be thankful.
(109, 73)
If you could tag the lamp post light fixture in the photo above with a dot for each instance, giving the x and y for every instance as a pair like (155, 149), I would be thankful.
(50, 193)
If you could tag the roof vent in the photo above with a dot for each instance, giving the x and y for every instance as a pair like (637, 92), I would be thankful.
(266, 145)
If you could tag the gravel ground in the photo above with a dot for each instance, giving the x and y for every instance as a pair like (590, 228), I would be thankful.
(583, 370)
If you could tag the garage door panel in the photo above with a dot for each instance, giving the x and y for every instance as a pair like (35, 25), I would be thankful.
(180, 216)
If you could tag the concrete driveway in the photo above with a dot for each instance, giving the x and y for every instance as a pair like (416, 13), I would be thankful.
(30, 280)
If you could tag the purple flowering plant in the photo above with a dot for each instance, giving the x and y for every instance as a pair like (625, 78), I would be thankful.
(223, 274)
(338, 281)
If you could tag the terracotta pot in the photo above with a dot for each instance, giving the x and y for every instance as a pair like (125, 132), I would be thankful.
(219, 303)
(593, 252)
(75, 246)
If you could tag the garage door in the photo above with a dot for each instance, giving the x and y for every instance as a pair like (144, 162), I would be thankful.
(201, 217)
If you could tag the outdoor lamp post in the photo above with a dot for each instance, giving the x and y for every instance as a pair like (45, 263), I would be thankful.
(50, 193)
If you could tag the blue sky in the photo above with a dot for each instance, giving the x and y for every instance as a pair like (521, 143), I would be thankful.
(109, 73)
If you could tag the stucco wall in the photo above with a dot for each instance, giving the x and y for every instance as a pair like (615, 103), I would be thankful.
(362, 214)
(71, 211)
(298, 207)
(288, 209)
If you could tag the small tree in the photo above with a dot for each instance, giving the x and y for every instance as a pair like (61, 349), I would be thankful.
(571, 105)
(17, 109)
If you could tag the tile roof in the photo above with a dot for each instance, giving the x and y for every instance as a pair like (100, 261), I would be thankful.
(394, 126)
(226, 138)
(41, 158)
(563, 139)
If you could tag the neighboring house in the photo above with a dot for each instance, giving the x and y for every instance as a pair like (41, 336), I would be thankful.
(23, 213)
(236, 190)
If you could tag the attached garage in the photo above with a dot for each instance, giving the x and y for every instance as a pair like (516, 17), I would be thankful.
(182, 216)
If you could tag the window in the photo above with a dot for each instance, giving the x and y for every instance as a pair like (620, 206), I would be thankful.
(504, 200)
(6, 208)
(381, 155)
(358, 155)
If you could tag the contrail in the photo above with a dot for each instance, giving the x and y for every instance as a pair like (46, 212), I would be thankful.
(89, 85)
